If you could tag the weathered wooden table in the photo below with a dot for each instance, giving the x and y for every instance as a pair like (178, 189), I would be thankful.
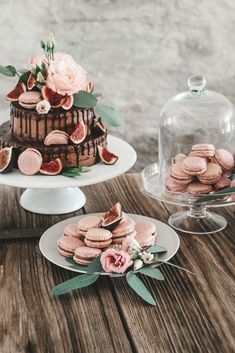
(194, 313)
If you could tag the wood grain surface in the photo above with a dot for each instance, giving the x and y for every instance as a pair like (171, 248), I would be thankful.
(194, 313)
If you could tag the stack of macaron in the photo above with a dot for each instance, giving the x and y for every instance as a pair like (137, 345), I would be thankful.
(85, 240)
(205, 170)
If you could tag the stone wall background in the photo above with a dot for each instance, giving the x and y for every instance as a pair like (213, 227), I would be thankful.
(139, 53)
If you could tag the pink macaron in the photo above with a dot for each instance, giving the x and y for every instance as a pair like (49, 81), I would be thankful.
(98, 238)
(87, 223)
(178, 174)
(67, 245)
(56, 137)
(173, 186)
(178, 158)
(83, 255)
(124, 228)
(72, 230)
(198, 189)
(211, 175)
(224, 159)
(30, 99)
(204, 150)
(194, 165)
(30, 161)
(145, 234)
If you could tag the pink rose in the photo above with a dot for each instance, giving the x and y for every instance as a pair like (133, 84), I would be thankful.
(113, 260)
(65, 76)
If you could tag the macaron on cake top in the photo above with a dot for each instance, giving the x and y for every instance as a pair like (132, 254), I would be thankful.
(56, 137)
(83, 255)
(211, 175)
(224, 158)
(204, 150)
(145, 234)
(67, 245)
(30, 99)
(30, 161)
(194, 165)
(98, 238)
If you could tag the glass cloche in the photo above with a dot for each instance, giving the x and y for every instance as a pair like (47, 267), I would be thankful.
(197, 116)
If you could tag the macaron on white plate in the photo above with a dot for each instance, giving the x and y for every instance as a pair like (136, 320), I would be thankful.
(166, 237)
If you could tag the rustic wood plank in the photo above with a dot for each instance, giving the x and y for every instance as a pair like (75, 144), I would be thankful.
(194, 314)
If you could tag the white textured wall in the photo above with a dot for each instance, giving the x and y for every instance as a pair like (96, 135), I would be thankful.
(138, 52)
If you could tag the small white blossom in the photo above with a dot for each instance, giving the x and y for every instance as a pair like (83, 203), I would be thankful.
(138, 264)
(43, 107)
(146, 257)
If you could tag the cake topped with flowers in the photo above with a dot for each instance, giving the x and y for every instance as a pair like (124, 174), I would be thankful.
(56, 122)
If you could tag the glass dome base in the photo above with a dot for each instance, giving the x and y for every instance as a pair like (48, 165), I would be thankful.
(197, 220)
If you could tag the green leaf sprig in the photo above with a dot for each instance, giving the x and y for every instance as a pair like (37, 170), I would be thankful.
(48, 46)
(217, 195)
(74, 171)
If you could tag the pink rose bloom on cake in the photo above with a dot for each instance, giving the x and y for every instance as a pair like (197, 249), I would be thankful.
(113, 260)
(65, 76)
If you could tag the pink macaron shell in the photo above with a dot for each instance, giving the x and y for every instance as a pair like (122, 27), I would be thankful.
(98, 234)
(29, 162)
(88, 222)
(178, 158)
(86, 253)
(177, 172)
(72, 230)
(194, 165)
(222, 183)
(56, 140)
(198, 189)
(171, 185)
(224, 158)
(65, 253)
(204, 150)
(30, 97)
(124, 228)
(211, 175)
(69, 243)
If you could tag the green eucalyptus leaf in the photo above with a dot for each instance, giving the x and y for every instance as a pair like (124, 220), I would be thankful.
(217, 195)
(83, 99)
(152, 272)
(94, 266)
(7, 70)
(77, 282)
(110, 115)
(139, 287)
(72, 172)
(156, 249)
(24, 77)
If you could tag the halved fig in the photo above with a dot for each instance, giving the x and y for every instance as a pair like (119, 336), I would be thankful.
(100, 126)
(79, 133)
(52, 168)
(13, 96)
(31, 82)
(106, 156)
(7, 160)
(112, 218)
(55, 99)
(68, 103)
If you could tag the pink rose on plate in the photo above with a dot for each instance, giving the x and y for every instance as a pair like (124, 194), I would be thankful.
(65, 76)
(113, 260)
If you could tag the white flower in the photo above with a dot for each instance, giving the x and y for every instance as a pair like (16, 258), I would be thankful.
(43, 107)
(138, 264)
(146, 257)
(131, 246)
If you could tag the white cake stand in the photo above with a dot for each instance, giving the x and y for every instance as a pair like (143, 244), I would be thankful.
(59, 194)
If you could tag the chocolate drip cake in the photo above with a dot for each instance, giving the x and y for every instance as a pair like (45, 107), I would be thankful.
(53, 125)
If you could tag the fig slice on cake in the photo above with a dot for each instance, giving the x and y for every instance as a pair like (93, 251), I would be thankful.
(55, 99)
(31, 83)
(79, 133)
(106, 156)
(68, 103)
(14, 95)
(52, 168)
(7, 160)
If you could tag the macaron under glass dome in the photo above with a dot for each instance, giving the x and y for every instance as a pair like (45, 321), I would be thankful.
(196, 146)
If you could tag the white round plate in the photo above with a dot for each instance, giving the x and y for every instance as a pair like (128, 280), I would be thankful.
(166, 237)
(97, 173)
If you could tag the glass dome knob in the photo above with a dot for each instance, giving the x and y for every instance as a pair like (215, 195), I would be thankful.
(196, 83)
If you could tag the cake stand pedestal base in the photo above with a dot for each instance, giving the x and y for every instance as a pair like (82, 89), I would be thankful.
(53, 201)
(197, 220)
